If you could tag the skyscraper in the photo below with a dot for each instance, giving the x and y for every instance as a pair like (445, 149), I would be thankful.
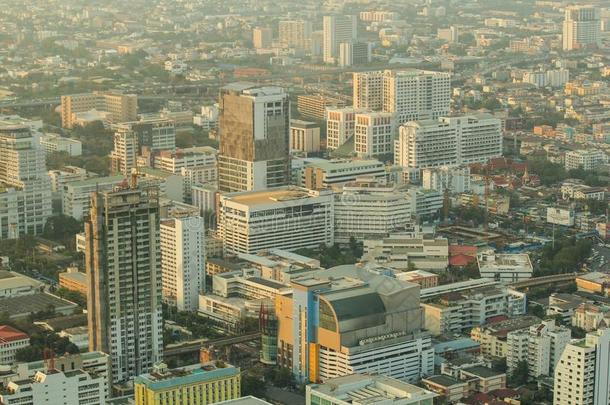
(183, 261)
(26, 187)
(123, 265)
(254, 138)
(337, 29)
(581, 27)
(582, 376)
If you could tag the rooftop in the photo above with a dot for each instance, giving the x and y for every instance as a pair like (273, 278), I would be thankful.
(249, 400)
(9, 334)
(272, 196)
(164, 378)
(26, 304)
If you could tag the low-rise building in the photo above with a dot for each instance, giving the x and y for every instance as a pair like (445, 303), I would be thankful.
(560, 216)
(450, 388)
(369, 389)
(73, 280)
(316, 173)
(424, 278)
(594, 283)
(56, 143)
(585, 159)
(16, 285)
(589, 317)
(506, 268)
(11, 340)
(203, 384)
(402, 252)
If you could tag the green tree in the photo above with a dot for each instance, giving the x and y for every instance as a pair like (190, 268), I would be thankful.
(61, 228)
(519, 376)
(252, 385)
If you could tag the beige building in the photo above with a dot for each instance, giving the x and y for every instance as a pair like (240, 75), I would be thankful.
(295, 34)
(120, 107)
(304, 136)
(313, 107)
(262, 37)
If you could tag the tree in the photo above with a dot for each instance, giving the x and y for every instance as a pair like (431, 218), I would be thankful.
(519, 375)
(61, 228)
(252, 385)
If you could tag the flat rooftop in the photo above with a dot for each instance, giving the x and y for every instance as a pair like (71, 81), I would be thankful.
(276, 196)
(249, 400)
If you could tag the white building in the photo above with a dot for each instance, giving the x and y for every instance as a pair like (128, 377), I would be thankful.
(373, 134)
(183, 261)
(11, 341)
(188, 158)
(366, 209)
(337, 29)
(455, 178)
(582, 375)
(400, 251)
(59, 178)
(425, 202)
(340, 125)
(77, 194)
(585, 159)
(75, 387)
(316, 173)
(372, 389)
(560, 216)
(409, 94)
(557, 77)
(540, 345)
(24, 181)
(208, 119)
(448, 141)
(581, 27)
(286, 218)
(56, 143)
(506, 268)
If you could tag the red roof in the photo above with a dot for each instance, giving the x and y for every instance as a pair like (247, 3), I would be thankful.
(460, 260)
(497, 318)
(463, 250)
(9, 334)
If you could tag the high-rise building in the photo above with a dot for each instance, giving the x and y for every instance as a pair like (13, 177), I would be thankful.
(286, 218)
(374, 134)
(262, 37)
(26, 187)
(448, 141)
(354, 53)
(409, 94)
(183, 261)
(347, 320)
(581, 27)
(340, 124)
(582, 375)
(123, 262)
(295, 34)
(254, 138)
(313, 107)
(131, 138)
(118, 106)
(304, 136)
(338, 29)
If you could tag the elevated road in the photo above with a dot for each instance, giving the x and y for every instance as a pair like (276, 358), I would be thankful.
(196, 345)
(538, 281)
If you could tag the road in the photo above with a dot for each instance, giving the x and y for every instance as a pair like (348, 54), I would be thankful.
(196, 345)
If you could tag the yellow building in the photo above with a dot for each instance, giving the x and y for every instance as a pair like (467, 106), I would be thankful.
(199, 384)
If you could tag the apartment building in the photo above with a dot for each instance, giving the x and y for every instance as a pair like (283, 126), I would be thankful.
(77, 194)
(585, 159)
(123, 262)
(373, 134)
(182, 261)
(286, 218)
(492, 336)
(581, 27)
(313, 107)
(295, 34)
(118, 106)
(454, 178)
(340, 126)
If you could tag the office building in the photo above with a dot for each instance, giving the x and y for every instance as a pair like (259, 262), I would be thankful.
(366, 388)
(540, 346)
(354, 53)
(337, 29)
(585, 159)
(403, 251)
(304, 136)
(313, 107)
(410, 95)
(340, 125)
(582, 374)
(199, 384)
(56, 143)
(457, 311)
(254, 138)
(118, 107)
(366, 209)
(347, 320)
(505, 267)
(262, 37)
(374, 134)
(123, 265)
(183, 261)
(25, 189)
(581, 27)
(11, 341)
(319, 173)
(448, 141)
(76, 387)
(286, 218)
(295, 34)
